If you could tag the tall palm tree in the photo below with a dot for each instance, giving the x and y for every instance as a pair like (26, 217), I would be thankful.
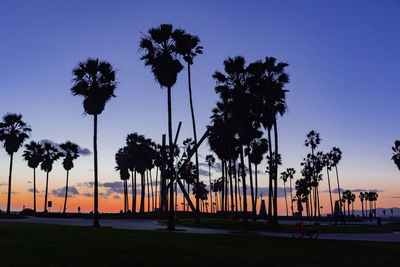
(50, 155)
(210, 162)
(95, 81)
(313, 140)
(70, 154)
(336, 156)
(160, 54)
(396, 153)
(33, 154)
(362, 197)
(290, 174)
(188, 47)
(122, 160)
(13, 133)
(284, 178)
(327, 161)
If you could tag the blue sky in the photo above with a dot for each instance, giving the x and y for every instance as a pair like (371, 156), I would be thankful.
(344, 61)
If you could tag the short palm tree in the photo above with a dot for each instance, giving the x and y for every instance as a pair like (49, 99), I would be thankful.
(210, 160)
(290, 173)
(13, 132)
(160, 54)
(336, 156)
(122, 159)
(70, 154)
(327, 162)
(50, 155)
(362, 197)
(313, 140)
(95, 81)
(33, 154)
(284, 178)
(396, 153)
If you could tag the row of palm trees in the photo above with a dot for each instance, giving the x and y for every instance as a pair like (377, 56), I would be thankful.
(13, 133)
(370, 197)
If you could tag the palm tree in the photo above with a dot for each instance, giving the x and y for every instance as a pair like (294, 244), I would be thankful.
(258, 147)
(336, 156)
(210, 162)
(313, 140)
(50, 155)
(33, 154)
(95, 81)
(396, 153)
(327, 162)
(13, 133)
(284, 178)
(362, 197)
(270, 80)
(70, 154)
(122, 160)
(188, 47)
(161, 56)
(290, 174)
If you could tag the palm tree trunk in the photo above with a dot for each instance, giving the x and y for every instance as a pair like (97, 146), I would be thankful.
(337, 178)
(231, 185)
(125, 191)
(9, 184)
(148, 191)
(236, 187)
(253, 210)
(291, 196)
(223, 186)
(45, 196)
(156, 188)
(244, 227)
(96, 180)
(270, 189)
(171, 218)
(66, 193)
(362, 208)
(194, 133)
(284, 188)
(142, 193)
(330, 192)
(226, 186)
(209, 178)
(34, 190)
(275, 218)
(133, 193)
(256, 187)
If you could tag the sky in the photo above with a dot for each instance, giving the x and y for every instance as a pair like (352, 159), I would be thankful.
(344, 62)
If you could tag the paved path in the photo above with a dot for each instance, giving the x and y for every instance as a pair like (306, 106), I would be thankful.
(132, 224)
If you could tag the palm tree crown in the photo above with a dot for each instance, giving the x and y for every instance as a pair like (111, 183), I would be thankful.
(396, 153)
(70, 153)
(50, 155)
(33, 154)
(13, 132)
(95, 81)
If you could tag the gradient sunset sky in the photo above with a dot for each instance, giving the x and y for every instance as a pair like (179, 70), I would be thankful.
(344, 68)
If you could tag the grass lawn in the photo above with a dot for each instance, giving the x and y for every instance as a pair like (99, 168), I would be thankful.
(235, 224)
(55, 245)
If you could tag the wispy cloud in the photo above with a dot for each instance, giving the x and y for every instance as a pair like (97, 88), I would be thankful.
(82, 151)
(60, 192)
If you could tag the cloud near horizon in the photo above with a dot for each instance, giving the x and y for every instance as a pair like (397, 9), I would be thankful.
(82, 151)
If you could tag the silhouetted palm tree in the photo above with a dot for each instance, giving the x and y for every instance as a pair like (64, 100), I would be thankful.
(336, 156)
(396, 153)
(290, 174)
(33, 154)
(95, 81)
(259, 147)
(13, 133)
(161, 56)
(188, 47)
(284, 178)
(362, 197)
(313, 140)
(50, 155)
(70, 154)
(328, 163)
(210, 162)
(122, 160)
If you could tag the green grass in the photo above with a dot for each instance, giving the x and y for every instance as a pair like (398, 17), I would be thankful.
(54, 245)
(235, 224)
